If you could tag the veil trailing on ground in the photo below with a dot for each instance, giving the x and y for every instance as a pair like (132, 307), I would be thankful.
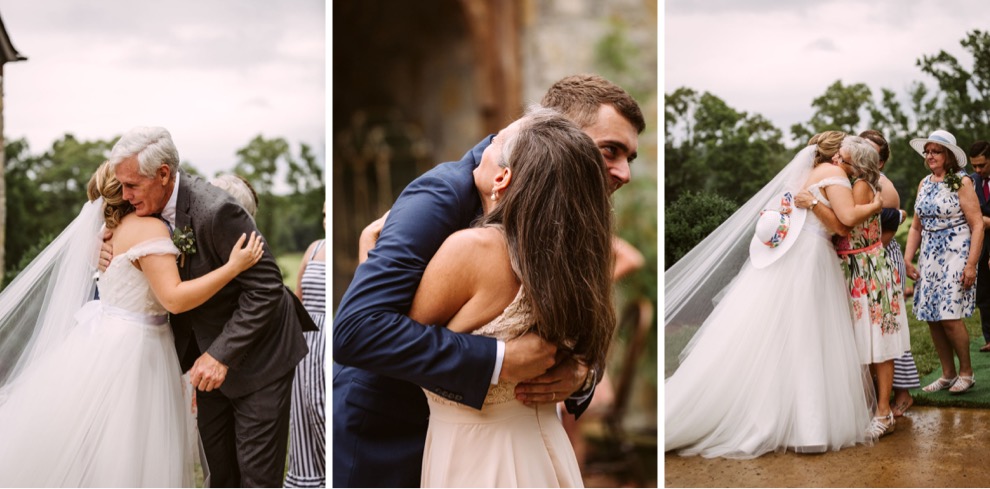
(693, 285)
(37, 308)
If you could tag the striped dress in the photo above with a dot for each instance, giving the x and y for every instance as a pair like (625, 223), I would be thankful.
(307, 417)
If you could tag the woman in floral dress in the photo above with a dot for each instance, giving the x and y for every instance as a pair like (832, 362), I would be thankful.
(879, 320)
(948, 226)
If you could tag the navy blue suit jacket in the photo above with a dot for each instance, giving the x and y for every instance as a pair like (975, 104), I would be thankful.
(982, 269)
(381, 357)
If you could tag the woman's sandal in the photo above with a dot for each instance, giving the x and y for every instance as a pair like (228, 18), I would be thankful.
(881, 425)
(963, 384)
(941, 383)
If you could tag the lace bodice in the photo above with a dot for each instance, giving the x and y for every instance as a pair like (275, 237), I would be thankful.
(123, 286)
(811, 222)
(514, 321)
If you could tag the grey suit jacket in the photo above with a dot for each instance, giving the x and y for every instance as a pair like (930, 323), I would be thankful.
(254, 324)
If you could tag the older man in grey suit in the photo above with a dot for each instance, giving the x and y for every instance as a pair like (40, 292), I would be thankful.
(241, 347)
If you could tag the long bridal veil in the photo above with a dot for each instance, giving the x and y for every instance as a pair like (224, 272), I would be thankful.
(37, 308)
(693, 285)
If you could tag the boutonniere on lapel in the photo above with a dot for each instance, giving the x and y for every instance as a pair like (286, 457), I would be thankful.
(184, 240)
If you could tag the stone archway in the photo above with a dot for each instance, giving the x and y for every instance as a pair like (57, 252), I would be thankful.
(414, 84)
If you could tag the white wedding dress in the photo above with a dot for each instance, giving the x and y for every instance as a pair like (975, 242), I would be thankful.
(775, 364)
(106, 405)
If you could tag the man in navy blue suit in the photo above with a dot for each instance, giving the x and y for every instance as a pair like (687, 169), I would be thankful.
(978, 153)
(382, 358)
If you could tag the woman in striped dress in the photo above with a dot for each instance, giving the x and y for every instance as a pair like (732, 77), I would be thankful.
(905, 370)
(307, 417)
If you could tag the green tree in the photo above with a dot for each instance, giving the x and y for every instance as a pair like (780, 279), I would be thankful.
(691, 218)
(839, 108)
(714, 148)
(291, 222)
(963, 95)
(45, 192)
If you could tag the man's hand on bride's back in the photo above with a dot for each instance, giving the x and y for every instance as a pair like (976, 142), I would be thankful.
(106, 251)
(565, 378)
(526, 357)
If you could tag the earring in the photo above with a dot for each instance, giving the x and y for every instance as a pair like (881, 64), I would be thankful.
(494, 197)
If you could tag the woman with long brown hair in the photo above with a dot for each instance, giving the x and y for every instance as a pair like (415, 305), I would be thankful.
(539, 260)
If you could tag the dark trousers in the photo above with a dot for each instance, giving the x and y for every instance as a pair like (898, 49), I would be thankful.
(983, 290)
(245, 439)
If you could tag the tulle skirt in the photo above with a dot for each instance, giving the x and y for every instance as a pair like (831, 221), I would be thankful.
(503, 445)
(775, 365)
(104, 408)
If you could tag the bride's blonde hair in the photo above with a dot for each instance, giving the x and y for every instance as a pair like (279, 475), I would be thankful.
(104, 184)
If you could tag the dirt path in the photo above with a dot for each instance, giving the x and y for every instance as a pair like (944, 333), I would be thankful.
(932, 447)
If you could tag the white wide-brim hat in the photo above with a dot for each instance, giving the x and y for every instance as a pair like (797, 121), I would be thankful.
(945, 138)
(776, 230)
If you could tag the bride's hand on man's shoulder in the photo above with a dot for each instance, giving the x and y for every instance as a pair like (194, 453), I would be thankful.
(244, 256)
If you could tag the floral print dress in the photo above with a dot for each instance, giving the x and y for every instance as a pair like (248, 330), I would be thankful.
(945, 237)
(878, 312)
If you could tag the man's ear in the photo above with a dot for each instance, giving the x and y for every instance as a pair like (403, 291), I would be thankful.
(164, 174)
(502, 180)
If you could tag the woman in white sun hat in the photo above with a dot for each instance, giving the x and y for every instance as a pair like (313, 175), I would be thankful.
(948, 230)
(772, 368)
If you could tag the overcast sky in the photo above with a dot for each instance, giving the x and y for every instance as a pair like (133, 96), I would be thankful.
(215, 73)
(774, 57)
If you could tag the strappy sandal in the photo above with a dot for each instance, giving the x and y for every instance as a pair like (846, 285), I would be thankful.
(963, 384)
(881, 425)
(941, 383)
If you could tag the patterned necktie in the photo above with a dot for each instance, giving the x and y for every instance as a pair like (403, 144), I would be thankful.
(986, 190)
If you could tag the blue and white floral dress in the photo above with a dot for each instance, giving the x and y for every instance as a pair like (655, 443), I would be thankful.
(945, 238)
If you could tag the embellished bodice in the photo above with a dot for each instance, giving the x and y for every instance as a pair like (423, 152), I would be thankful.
(513, 322)
(123, 286)
(811, 223)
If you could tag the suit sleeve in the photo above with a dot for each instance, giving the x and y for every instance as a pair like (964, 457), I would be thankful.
(260, 285)
(371, 330)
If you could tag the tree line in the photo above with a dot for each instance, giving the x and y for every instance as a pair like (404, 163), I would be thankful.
(45, 192)
(717, 157)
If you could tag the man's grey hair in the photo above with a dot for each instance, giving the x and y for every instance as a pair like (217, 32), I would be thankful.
(238, 188)
(153, 147)
(533, 112)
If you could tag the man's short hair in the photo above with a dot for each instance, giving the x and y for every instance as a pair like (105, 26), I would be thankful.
(579, 97)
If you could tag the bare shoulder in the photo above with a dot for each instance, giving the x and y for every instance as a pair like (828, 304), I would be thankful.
(134, 229)
(475, 241)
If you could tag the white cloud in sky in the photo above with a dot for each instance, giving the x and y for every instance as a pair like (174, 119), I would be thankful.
(215, 73)
(775, 57)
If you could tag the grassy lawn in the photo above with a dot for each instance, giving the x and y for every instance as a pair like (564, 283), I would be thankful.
(289, 263)
(921, 340)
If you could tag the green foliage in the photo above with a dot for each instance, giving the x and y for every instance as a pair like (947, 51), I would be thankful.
(45, 192)
(714, 148)
(289, 223)
(690, 219)
(839, 108)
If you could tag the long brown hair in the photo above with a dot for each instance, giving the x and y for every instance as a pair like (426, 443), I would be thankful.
(104, 184)
(557, 220)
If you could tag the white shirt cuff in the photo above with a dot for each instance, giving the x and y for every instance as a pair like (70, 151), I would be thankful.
(499, 357)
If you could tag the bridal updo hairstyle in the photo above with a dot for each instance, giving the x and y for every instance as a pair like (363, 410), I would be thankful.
(104, 184)
(827, 144)
(556, 216)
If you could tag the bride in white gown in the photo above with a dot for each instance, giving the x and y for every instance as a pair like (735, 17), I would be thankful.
(774, 364)
(96, 398)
